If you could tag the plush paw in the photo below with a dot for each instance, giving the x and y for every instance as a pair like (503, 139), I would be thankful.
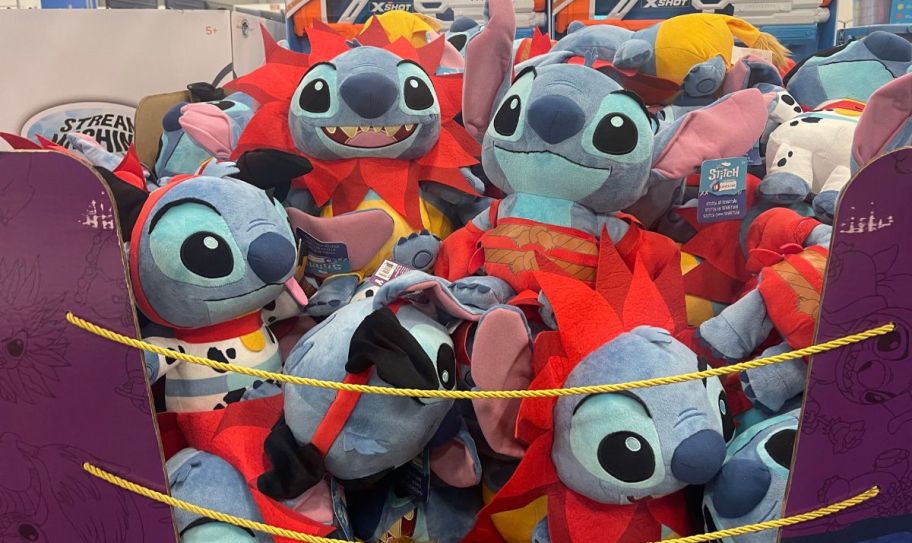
(483, 292)
(783, 188)
(546, 312)
(633, 54)
(704, 79)
(332, 295)
(718, 334)
(214, 168)
(417, 251)
(770, 387)
(825, 205)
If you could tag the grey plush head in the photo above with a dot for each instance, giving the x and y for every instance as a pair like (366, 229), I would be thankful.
(366, 102)
(648, 442)
(210, 250)
(382, 432)
(570, 132)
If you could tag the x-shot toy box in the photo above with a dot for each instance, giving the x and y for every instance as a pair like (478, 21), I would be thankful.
(805, 26)
(347, 16)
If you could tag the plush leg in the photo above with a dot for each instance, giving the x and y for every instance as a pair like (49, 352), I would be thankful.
(334, 293)
(783, 188)
(739, 329)
(481, 291)
(772, 386)
(633, 53)
(703, 81)
(417, 251)
(208, 481)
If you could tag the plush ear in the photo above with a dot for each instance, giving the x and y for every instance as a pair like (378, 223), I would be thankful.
(271, 168)
(886, 123)
(205, 92)
(128, 198)
(501, 360)
(381, 341)
(489, 67)
(295, 468)
(749, 72)
(727, 128)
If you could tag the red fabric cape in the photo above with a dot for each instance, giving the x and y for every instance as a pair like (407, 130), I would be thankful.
(237, 434)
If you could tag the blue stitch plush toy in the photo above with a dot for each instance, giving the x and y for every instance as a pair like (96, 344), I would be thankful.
(206, 254)
(750, 488)
(850, 72)
(196, 132)
(571, 148)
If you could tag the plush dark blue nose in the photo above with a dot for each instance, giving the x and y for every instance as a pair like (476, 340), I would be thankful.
(369, 95)
(740, 487)
(699, 457)
(555, 118)
(271, 257)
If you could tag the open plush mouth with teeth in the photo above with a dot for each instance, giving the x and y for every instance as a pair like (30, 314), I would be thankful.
(369, 136)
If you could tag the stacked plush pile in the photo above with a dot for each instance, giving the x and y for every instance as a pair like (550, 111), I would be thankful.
(462, 212)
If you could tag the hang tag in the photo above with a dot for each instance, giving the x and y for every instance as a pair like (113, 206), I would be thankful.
(416, 477)
(753, 156)
(723, 190)
(323, 258)
(387, 271)
(340, 509)
(740, 52)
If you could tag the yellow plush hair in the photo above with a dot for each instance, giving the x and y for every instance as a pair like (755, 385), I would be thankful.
(403, 24)
(687, 40)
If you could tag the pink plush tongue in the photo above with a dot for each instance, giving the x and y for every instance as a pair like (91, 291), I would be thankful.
(371, 139)
(297, 293)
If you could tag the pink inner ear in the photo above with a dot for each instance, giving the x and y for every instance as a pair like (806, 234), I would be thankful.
(489, 60)
(728, 128)
(887, 111)
(209, 127)
(454, 464)
(501, 360)
(451, 59)
(362, 232)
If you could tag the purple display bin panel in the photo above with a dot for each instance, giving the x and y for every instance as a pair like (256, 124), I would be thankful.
(66, 396)
(856, 426)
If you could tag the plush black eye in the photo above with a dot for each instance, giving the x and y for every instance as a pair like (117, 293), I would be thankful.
(446, 367)
(626, 456)
(780, 445)
(14, 347)
(417, 94)
(894, 346)
(208, 255)
(225, 105)
(315, 97)
(507, 118)
(615, 134)
(28, 532)
(458, 41)
(728, 422)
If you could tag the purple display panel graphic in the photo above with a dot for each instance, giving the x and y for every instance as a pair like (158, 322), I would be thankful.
(856, 426)
(66, 396)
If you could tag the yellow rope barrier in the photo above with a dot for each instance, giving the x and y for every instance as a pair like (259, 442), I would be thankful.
(475, 394)
(298, 536)
(782, 522)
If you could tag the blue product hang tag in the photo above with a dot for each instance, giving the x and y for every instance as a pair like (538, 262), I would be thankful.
(753, 156)
(723, 190)
(416, 477)
(324, 258)
(340, 510)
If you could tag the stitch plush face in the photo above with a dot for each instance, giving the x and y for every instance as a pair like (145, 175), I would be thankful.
(751, 486)
(367, 102)
(382, 432)
(570, 132)
(875, 372)
(209, 250)
(649, 442)
(196, 132)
